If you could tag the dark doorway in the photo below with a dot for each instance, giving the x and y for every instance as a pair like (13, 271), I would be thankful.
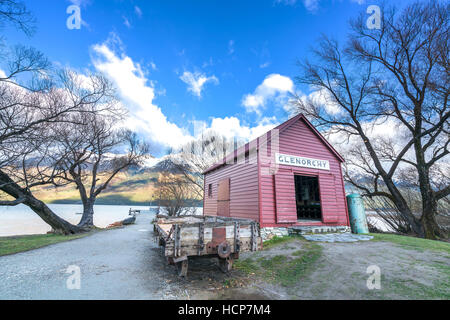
(307, 198)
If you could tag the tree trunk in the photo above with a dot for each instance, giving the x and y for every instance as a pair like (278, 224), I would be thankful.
(87, 219)
(428, 219)
(58, 224)
(429, 202)
(404, 209)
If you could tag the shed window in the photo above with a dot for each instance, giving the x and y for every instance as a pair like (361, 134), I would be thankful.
(307, 198)
(210, 190)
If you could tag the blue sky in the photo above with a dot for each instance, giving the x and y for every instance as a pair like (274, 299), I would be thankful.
(226, 65)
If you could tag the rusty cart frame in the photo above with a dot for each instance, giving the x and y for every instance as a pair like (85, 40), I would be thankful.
(208, 236)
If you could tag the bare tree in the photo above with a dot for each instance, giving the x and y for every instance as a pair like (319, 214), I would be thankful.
(200, 154)
(173, 192)
(90, 151)
(26, 118)
(16, 13)
(397, 73)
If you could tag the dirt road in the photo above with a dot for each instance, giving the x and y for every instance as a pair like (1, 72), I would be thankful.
(125, 263)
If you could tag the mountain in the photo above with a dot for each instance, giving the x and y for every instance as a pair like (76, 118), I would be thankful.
(136, 186)
(165, 165)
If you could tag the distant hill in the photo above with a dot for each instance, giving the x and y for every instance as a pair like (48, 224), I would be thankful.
(165, 165)
(136, 186)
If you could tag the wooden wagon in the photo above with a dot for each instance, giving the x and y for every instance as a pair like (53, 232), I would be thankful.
(194, 236)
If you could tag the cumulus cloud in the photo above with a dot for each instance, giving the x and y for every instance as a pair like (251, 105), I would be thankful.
(274, 86)
(137, 94)
(196, 81)
(232, 127)
(321, 98)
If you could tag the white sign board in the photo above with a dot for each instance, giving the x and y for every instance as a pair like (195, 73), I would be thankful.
(302, 161)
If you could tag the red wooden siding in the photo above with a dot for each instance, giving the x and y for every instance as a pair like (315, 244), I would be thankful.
(299, 140)
(243, 188)
(269, 196)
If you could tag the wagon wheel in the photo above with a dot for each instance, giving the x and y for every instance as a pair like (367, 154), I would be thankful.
(226, 264)
(182, 268)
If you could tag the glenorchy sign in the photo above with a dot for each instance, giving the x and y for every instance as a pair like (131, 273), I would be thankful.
(301, 161)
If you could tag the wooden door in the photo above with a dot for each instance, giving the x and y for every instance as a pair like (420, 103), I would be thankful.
(285, 197)
(223, 198)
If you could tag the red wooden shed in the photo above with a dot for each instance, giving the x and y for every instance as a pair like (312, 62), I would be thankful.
(290, 176)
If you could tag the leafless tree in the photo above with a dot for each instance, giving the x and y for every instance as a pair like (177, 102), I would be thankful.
(16, 13)
(90, 151)
(173, 193)
(200, 154)
(26, 144)
(397, 73)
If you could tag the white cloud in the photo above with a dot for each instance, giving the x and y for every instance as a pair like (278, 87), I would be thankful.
(231, 127)
(286, 2)
(153, 65)
(208, 63)
(264, 65)
(323, 98)
(231, 47)
(126, 22)
(137, 94)
(196, 81)
(138, 11)
(273, 86)
(310, 5)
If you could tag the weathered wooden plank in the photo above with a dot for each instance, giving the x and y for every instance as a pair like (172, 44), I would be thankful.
(194, 235)
(191, 248)
(191, 233)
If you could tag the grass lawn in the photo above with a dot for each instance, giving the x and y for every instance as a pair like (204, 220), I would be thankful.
(15, 244)
(301, 269)
(413, 243)
(285, 268)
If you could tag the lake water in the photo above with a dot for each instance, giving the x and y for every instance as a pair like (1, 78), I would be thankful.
(21, 220)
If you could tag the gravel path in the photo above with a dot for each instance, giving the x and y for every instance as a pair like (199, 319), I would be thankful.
(342, 273)
(125, 263)
(117, 264)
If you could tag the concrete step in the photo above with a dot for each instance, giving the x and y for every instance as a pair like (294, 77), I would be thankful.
(300, 230)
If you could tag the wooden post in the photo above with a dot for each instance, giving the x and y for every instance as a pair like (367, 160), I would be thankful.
(177, 240)
(182, 267)
(201, 237)
(237, 245)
